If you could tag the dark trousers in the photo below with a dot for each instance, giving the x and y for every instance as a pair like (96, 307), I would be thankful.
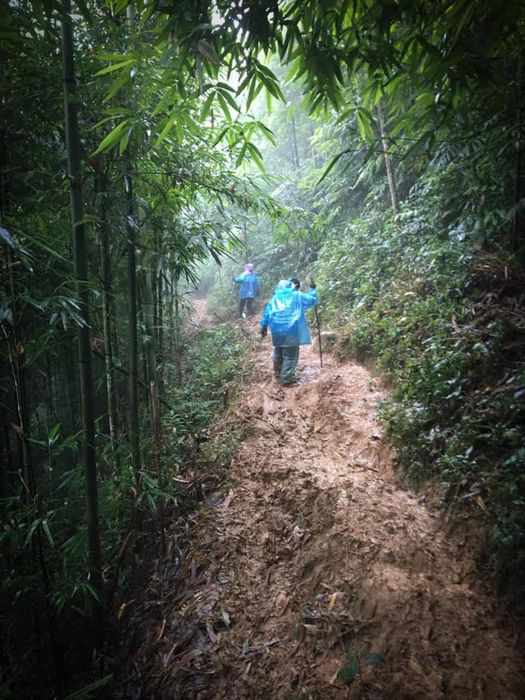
(284, 364)
(249, 306)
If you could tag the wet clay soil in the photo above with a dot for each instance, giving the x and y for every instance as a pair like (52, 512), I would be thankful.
(313, 559)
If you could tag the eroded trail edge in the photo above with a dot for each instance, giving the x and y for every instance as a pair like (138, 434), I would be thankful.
(314, 575)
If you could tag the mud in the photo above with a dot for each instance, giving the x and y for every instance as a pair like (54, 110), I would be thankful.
(313, 574)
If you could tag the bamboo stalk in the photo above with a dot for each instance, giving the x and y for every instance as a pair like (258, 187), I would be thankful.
(105, 278)
(83, 331)
(134, 431)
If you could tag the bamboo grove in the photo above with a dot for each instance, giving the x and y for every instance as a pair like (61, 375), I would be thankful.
(131, 153)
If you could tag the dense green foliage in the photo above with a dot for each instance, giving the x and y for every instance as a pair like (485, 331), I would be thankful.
(443, 322)
(215, 364)
(213, 368)
(172, 217)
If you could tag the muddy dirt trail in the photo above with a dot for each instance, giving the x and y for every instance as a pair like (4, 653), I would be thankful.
(313, 574)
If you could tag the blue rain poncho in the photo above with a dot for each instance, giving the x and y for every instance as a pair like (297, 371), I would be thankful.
(284, 314)
(249, 285)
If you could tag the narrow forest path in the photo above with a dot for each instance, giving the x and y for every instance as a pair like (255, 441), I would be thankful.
(314, 555)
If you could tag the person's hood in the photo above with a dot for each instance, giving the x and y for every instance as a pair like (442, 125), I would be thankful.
(283, 285)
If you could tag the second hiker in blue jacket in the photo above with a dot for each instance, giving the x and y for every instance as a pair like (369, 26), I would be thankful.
(285, 315)
(249, 289)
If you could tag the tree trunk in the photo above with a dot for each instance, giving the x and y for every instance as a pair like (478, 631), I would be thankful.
(133, 341)
(16, 360)
(69, 390)
(160, 324)
(295, 149)
(105, 279)
(245, 241)
(170, 313)
(159, 319)
(518, 225)
(177, 343)
(83, 332)
(153, 388)
(6, 465)
(388, 162)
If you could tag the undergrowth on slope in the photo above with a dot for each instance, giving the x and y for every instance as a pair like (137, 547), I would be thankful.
(443, 319)
(214, 365)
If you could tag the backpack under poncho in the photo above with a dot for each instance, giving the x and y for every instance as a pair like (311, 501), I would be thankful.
(284, 314)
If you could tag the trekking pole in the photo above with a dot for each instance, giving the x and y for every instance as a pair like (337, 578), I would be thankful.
(318, 328)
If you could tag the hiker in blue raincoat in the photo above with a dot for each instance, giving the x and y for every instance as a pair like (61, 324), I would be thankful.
(249, 289)
(285, 314)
